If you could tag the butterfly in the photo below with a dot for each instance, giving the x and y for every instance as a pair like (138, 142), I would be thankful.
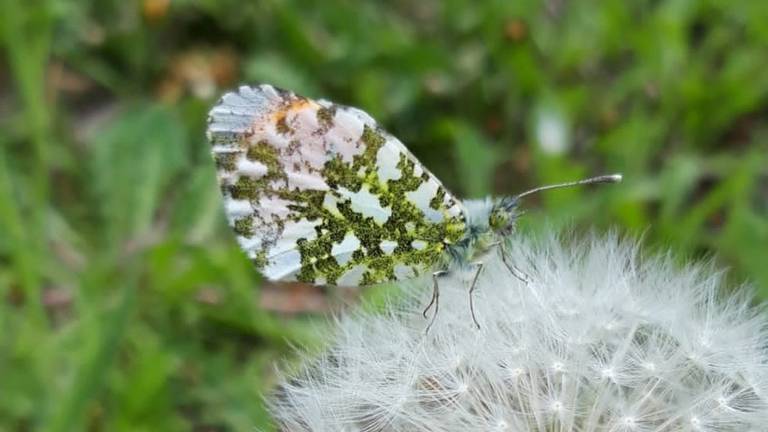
(318, 192)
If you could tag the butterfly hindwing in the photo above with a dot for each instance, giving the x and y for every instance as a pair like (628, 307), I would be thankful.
(317, 192)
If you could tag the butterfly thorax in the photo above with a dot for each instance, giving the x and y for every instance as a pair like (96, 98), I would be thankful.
(488, 222)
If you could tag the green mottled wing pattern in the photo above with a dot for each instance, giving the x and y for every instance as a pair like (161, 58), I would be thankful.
(318, 192)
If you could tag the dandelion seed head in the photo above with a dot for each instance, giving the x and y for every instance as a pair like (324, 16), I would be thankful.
(601, 340)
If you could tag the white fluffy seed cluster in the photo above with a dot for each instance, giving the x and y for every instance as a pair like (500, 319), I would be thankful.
(599, 341)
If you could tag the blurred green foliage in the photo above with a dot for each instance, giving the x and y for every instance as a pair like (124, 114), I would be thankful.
(125, 304)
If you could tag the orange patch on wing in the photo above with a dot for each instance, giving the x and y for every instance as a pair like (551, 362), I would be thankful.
(278, 117)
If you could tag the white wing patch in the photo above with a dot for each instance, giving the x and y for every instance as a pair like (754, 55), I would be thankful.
(422, 197)
(317, 192)
(367, 204)
(386, 164)
(353, 276)
(252, 169)
(388, 246)
(343, 251)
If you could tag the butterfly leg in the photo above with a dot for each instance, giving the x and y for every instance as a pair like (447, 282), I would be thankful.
(435, 295)
(435, 298)
(480, 267)
(516, 272)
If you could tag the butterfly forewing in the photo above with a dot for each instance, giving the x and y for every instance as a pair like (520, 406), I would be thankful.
(317, 192)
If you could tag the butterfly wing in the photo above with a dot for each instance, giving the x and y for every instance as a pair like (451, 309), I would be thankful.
(317, 192)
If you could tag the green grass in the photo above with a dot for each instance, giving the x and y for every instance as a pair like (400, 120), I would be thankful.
(112, 233)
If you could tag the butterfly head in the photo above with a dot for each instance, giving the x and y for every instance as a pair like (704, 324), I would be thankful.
(503, 216)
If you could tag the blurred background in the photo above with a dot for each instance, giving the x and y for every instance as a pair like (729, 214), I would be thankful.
(125, 304)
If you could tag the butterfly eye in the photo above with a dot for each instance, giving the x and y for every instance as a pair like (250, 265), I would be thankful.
(498, 219)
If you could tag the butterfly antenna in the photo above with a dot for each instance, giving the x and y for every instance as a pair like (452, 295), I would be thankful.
(612, 178)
